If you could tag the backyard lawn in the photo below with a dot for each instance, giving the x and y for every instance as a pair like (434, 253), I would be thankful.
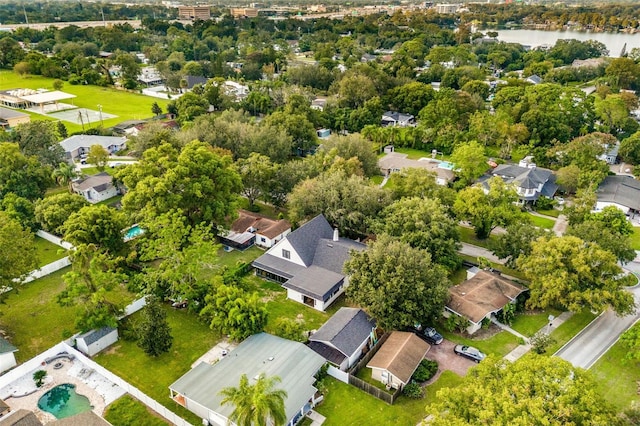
(33, 319)
(191, 339)
(552, 212)
(568, 329)
(500, 267)
(128, 411)
(126, 105)
(541, 222)
(617, 379)
(346, 405)
(635, 238)
(468, 235)
(48, 252)
(499, 344)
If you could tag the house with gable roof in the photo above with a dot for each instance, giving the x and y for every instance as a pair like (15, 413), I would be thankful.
(622, 192)
(7, 357)
(344, 337)
(96, 188)
(308, 263)
(252, 228)
(530, 182)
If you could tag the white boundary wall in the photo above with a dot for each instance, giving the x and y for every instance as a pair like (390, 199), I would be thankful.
(46, 270)
(343, 376)
(35, 363)
(53, 239)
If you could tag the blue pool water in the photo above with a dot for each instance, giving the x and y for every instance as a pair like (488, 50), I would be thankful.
(445, 165)
(133, 232)
(63, 401)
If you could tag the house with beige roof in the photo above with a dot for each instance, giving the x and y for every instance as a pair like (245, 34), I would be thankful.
(95, 188)
(396, 162)
(253, 228)
(398, 358)
(481, 295)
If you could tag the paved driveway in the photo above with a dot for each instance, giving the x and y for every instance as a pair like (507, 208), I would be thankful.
(447, 360)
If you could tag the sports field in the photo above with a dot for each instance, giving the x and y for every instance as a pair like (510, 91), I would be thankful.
(123, 105)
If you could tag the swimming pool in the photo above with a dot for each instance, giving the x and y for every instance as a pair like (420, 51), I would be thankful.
(133, 232)
(63, 401)
(445, 165)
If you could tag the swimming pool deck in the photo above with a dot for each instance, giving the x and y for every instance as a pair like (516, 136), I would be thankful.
(100, 391)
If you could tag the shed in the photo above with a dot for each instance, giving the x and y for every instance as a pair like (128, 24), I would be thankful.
(398, 359)
(92, 342)
(11, 118)
(7, 357)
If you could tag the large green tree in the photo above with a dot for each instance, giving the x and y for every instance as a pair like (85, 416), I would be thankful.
(95, 224)
(397, 284)
(534, 389)
(154, 332)
(258, 404)
(485, 211)
(630, 149)
(18, 251)
(257, 172)
(23, 175)
(354, 145)
(98, 156)
(570, 273)
(516, 242)
(64, 174)
(52, 212)
(424, 224)
(197, 181)
(39, 138)
(470, 161)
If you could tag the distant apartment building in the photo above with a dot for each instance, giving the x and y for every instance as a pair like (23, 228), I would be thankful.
(446, 8)
(243, 12)
(194, 12)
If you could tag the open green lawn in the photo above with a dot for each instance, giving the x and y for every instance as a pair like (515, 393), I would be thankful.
(109, 201)
(541, 222)
(499, 344)
(635, 238)
(529, 323)
(191, 339)
(568, 329)
(413, 154)
(617, 379)
(56, 190)
(48, 252)
(505, 270)
(126, 105)
(347, 405)
(376, 180)
(468, 235)
(552, 212)
(128, 411)
(265, 209)
(33, 319)
(233, 258)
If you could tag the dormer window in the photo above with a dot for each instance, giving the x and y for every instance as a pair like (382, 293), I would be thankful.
(286, 254)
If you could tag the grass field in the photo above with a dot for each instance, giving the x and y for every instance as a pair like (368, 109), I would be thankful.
(568, 329)
(468, 235)
(529, 323)
(48, 252)
(126, 105)
(346, 405)
(635, 238)
(617, 379)
(128, 411)
(552, 212)
(33, 319)
(191, 339)
(541, 222)
(499, 344)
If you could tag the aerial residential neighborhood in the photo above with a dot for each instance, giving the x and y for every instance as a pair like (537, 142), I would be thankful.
(400, 213)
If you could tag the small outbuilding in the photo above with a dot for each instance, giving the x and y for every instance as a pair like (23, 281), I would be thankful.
(94, 341)
(10, 118)
(398, 359)
(7, 357)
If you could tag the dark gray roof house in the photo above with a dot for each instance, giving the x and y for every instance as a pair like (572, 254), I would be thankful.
(620, 191)
(308, 262)
(343, 337)
(192, 80)
(394, 118)
(530, 181)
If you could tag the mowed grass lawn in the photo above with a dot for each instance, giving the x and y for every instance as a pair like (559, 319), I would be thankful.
(499, 344)
(48, 252)
(191, 339)
(542, 222)
(346, 405)
(529, 323)
(568, 329)
(468, 235)
(635, 238)
(126, 105)
(128, 411)
(617, 379)
(34, 320)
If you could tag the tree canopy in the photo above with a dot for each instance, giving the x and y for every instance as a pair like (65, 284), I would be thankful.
(256, 404)
(18, 251)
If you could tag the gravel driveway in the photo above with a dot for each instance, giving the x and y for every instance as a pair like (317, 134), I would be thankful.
(447, 360)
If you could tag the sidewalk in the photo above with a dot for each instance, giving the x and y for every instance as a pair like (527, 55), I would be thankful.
(523, 349)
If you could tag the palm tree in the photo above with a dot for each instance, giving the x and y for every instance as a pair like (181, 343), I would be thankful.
(258, 404)
(65, 174)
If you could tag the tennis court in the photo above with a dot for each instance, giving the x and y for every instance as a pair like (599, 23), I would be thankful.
(82, 116)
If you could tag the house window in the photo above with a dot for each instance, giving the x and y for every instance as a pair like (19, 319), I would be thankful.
(263, 240)
(286, 254)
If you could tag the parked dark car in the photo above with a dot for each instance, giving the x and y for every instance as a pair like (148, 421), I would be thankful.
(428, 334)
(469, 352)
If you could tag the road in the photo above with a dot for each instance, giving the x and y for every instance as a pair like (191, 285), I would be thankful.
(475, 251)
(596, 339)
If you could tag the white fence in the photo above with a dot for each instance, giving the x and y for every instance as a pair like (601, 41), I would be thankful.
(160, 92)
(343, 376)
(46, 270)
(53, 239)
(35, 363)
(135, 306)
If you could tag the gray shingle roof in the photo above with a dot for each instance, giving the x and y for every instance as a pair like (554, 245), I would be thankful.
(305, 239)
(99, 182)
(528, 178)
(345, 330)
(262, 353)
(95, 335)
(6, 347)
(623, 190)
(315, 282)
(87, 141)
(10, 113)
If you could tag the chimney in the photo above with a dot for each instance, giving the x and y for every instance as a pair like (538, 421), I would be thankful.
(335, 234)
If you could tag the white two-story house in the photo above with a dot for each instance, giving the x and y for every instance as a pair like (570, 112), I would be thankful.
(529, 181)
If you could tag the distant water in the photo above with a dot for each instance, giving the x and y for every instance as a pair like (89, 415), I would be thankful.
(534, 38)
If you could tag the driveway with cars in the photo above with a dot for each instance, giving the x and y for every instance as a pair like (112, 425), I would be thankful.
(447, 360)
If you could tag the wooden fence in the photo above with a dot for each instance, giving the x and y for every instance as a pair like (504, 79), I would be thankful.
(387, 397)
(367, 357)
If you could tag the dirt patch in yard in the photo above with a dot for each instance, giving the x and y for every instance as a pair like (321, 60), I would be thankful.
(447, 360)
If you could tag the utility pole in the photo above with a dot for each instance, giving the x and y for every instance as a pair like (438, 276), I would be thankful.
(26, 19)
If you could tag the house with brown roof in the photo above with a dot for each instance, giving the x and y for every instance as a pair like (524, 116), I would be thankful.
(481, 295)
(253, 228)
(398, 358)
(96, 188)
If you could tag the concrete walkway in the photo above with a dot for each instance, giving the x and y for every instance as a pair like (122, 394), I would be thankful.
(508, 329)
(560, 227)
(523, 349)
(316, 418)
(477, 251)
